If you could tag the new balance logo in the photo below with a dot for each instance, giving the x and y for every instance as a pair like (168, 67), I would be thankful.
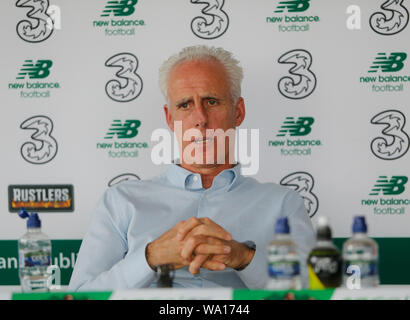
(38, 70)
(301, 127)
(293, 6)
(126, 130)
(394, 186)
(119, 8)
(393, 63)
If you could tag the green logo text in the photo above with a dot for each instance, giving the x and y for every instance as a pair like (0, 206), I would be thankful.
(119, 8)
(38, 70)
(394, 186)
(300, 127)
(126, 130)
(295, 128)
(293, 6)
(392, 63)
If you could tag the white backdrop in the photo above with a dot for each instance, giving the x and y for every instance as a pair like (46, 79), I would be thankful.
(344, 167)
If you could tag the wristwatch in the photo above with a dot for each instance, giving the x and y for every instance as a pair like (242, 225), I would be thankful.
(251, 245)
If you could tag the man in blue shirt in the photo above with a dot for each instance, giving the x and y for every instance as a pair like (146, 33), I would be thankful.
(202, 216)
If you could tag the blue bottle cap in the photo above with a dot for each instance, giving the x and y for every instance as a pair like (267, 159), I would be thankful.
(282, 226)
(33, 220)
(359, 224)
(23, 213)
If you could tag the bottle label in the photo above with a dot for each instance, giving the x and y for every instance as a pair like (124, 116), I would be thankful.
(368, 268)
(283, 269)
(324, 271)
(35, 258)
(325, 265)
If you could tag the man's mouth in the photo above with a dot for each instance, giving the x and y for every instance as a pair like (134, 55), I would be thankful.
(202, 140)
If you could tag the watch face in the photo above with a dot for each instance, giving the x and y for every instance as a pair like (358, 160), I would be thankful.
(250, 244)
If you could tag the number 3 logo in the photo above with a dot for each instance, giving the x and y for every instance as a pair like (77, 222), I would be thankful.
(43, 147)
(128, 84)
(302, 183)
(214, 21)
(395, 142)
(301, 81)
(42, 28)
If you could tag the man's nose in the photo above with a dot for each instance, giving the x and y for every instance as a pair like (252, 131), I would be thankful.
(200, 114)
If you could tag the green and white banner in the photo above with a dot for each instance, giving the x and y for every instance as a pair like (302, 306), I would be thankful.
(64, 254)
(381, 293)
(326, 85)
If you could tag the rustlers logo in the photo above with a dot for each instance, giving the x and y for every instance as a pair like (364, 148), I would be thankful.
(119, 8)
(302, 183)
(40, 25)
(122, 178)
(41, 197)
(293, 6)
(214, 21)
(128, 84)
(394, 142)
(394, 186)
(392, 63)
(127, 130)
(43, 147)
(392, 20)
(302, 81)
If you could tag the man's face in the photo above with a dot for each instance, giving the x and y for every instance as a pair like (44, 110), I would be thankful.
(200, 100)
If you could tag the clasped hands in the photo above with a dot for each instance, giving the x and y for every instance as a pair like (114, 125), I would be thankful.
(198, 243)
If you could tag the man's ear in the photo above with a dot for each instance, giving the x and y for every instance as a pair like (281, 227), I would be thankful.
(169, 118)
(240, 112)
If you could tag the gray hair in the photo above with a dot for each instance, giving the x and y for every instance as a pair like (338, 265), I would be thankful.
(201, 52)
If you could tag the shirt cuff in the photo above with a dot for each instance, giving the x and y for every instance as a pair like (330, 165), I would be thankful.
(135, 269)
(255, 274)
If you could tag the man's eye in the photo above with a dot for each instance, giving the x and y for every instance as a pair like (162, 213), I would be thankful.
(212, 102)
(183, 105)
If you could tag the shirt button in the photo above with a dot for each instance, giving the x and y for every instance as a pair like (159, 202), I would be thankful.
(195, 178)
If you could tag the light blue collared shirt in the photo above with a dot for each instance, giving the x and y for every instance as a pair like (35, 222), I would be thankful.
(133, 213)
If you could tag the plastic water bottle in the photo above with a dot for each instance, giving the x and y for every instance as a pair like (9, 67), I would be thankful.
(324, 261)
(34, 255)
(283, 260)
(360, 255)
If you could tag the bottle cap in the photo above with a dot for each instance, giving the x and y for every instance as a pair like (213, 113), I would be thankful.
(282, 226)
(323, 229)
(33, 220)
(359, 224)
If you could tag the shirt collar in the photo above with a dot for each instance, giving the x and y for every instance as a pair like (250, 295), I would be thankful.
(188, 180)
